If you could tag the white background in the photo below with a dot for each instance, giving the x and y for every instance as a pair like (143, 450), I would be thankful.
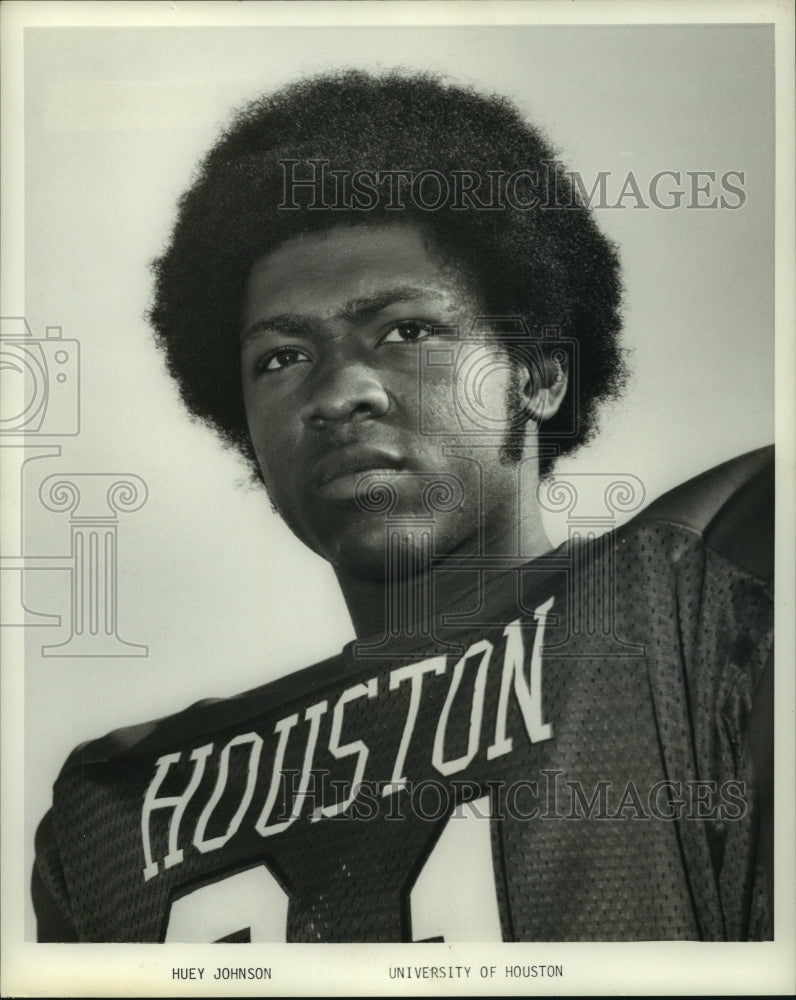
(115, 120)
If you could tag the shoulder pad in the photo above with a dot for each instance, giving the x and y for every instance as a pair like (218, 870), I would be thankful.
(204, 717)
(731, 506)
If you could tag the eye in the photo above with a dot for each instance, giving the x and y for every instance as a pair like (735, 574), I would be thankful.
(282, 358)
(407, 332)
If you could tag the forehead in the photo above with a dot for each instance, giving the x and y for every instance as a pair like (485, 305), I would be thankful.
(319, 272)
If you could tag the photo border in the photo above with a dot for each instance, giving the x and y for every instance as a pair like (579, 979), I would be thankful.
(647, 968)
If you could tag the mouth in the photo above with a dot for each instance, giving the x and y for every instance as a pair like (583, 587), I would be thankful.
(338, 474)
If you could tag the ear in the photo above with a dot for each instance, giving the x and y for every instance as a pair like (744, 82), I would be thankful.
(542, 401)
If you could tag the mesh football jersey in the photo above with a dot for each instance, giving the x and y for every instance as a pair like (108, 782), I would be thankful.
(582, 752)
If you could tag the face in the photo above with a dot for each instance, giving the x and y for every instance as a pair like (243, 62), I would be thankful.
(339, 400)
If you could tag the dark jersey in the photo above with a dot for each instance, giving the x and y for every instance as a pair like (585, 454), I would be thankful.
(583, 752)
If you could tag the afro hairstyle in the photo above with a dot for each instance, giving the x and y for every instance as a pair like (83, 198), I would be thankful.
(549, 266)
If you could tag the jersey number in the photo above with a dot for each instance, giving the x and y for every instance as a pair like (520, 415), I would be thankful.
(453, 898)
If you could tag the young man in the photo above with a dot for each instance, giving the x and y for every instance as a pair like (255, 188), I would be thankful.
(388, 295)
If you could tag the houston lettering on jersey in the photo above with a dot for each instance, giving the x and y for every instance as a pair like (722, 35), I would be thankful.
(370, 741)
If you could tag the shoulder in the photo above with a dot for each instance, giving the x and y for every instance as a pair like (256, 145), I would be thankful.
(729, 507)
(203, 717)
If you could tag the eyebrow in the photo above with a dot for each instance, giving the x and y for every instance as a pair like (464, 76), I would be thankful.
(355, 310)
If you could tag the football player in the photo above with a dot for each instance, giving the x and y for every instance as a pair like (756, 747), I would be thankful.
(386, 293)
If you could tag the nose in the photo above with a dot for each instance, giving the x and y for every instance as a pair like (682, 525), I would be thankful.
(344, 391)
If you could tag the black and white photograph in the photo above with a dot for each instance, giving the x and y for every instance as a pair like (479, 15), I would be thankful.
(397, 451)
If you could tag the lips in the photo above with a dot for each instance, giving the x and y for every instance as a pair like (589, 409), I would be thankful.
(337, 473)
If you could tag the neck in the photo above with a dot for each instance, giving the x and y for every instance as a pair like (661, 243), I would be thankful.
(406, 605)
(412, 592)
